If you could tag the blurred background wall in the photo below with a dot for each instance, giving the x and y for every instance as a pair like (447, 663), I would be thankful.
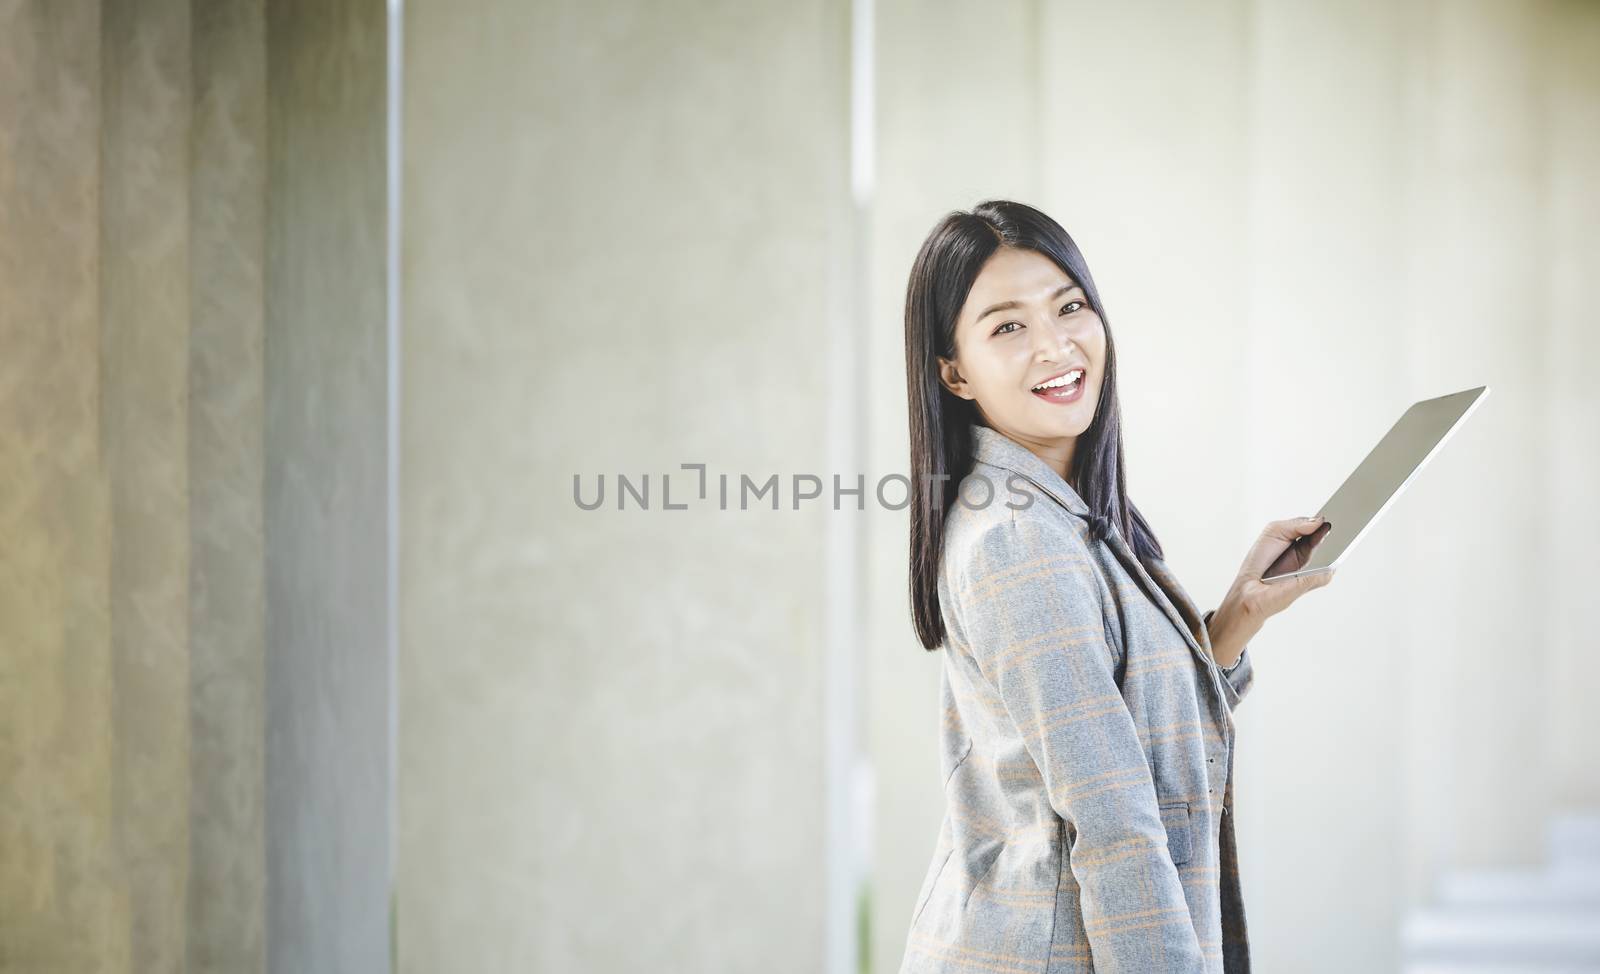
(330, 543)
(131, 314)
(1302, 217)
(193, 467)
(621, 249)
(314, 317)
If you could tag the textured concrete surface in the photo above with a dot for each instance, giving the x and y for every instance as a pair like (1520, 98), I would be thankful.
(144, 356)
(130, 448)
(618, 246)
(327, 667)
(64, 896)
(227, 307)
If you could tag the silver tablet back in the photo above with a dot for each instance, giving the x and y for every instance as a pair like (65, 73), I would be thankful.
(1368, 492)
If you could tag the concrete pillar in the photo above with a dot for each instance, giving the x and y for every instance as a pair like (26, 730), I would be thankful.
(1479, 312)
(1327, 375)
(622, 229)
(1571, 520)
(328, 684)
(130, 316)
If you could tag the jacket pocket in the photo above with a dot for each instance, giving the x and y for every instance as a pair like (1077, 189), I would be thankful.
(1175, 816)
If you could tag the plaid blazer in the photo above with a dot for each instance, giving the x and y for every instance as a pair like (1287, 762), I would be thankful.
(1086, 748)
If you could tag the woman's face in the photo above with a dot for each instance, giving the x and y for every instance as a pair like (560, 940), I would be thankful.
(1025, 323)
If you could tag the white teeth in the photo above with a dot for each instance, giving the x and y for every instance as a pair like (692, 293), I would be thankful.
(1064, 380)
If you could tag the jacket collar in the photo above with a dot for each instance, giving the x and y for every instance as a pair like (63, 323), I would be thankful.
(1001, 451)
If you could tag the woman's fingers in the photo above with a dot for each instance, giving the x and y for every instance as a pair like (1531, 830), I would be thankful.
(1275, 538)
(1291, 528)
(1264, 599)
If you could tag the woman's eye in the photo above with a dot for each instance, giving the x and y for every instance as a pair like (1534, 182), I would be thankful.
(1071, 307)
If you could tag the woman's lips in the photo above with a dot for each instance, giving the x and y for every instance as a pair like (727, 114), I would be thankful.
(1063, 394)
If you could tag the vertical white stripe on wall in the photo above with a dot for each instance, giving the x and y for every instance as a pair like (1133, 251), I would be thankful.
(848, 771)
(863, 98)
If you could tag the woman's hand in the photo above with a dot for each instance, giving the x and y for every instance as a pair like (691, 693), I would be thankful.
(1250, 602)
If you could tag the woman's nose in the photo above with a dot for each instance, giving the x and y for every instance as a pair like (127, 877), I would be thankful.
(1054, 343)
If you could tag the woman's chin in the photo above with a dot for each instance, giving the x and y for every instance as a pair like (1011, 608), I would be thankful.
(1069, 420)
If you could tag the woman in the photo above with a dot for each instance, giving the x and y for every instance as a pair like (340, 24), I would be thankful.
(1087, 743)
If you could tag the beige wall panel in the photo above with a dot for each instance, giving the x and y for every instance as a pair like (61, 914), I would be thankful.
(63, 898)
(619, 226)
(1479, 784)
(227, 870)
(1572, 403)
(329, 816)
(144, 294)
(1326, 376)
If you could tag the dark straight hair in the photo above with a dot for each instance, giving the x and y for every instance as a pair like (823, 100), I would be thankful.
(941, 443)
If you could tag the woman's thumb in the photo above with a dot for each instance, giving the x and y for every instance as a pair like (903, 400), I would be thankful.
(1315, 580)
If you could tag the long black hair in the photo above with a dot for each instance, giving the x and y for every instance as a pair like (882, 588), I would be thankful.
(941, 442)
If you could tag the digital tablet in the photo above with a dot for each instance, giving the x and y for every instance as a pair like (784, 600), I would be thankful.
(1368, 492)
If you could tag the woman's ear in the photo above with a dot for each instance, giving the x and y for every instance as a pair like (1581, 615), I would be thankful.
(951, 378)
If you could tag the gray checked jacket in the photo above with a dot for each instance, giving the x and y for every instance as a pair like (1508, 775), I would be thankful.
(1086, 748)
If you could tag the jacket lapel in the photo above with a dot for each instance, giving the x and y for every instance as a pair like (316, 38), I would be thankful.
(1001, 451)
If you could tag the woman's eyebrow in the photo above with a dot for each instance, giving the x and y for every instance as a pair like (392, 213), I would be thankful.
(1008, 305)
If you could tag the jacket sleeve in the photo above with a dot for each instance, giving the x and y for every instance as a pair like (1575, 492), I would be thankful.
(1239, 677)
(1032, 618)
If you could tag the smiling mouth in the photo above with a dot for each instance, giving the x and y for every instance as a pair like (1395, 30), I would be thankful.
(1066, 387)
